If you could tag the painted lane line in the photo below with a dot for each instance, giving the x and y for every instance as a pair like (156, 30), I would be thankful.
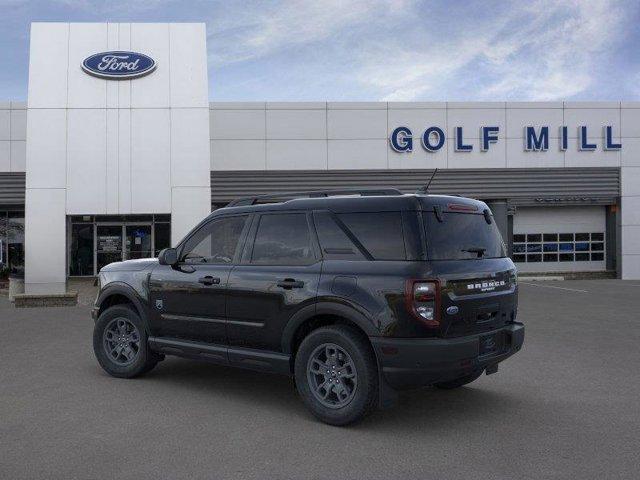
(551, 286)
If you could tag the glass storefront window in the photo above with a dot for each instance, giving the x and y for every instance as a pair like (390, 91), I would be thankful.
(571, 247)
(81, 253)
(4, 267)
(113, 238)
(163, 237)
(15, 242)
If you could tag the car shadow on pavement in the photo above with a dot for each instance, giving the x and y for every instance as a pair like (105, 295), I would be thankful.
(437, 409)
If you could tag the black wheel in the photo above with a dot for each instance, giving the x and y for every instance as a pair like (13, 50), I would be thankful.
(458, 382)
(336, 375)
(120, 343)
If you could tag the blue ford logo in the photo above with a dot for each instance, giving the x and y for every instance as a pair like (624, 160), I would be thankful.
(452, 310)
(118, 65)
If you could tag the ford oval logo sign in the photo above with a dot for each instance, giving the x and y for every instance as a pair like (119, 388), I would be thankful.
(118, 65)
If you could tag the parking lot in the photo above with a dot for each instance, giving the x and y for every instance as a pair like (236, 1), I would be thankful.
(567, 406)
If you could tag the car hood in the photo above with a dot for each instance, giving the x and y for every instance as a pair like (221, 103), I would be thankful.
(130, 265)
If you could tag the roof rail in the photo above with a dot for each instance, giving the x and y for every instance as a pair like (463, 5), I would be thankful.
(315, 194)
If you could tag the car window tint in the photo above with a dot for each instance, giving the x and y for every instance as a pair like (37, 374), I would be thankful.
(335, 244)
(379, 232)
(216, 242)
(283, 239)
(463, 236)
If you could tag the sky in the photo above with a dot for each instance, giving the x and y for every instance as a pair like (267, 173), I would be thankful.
(377, 50)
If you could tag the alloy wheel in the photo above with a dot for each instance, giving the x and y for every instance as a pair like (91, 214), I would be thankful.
(332, 375)
(121, 341)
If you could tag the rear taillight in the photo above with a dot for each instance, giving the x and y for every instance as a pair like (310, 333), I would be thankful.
(423, 301)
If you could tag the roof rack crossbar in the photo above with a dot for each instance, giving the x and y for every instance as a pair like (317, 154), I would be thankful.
(315, 194)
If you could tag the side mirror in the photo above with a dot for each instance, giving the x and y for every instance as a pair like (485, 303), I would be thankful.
(168, 256)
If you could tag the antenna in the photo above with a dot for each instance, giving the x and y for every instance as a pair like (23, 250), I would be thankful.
(425, 188)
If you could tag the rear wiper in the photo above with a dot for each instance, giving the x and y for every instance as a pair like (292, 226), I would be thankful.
(477, 250)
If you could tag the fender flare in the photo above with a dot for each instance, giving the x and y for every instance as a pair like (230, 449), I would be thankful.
(126, 290)
(325, 308)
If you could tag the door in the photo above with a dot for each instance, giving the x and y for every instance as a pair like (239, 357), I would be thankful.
(108, 245)
(137, 242)
(278, 276)
(188, 300)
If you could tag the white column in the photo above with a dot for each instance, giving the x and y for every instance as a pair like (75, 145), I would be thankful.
(630, 221)
(45, 241)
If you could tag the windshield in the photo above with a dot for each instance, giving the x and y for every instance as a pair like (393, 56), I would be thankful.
(462, 236)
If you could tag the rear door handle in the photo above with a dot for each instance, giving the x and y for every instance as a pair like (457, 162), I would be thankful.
(289, 283)
(209, 280)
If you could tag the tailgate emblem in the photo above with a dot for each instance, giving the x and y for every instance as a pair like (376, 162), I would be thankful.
(452, 310)
(486, 286)
(159, 304)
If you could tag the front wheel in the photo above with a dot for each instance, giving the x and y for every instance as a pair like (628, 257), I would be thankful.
(336, 375)
(120, 343)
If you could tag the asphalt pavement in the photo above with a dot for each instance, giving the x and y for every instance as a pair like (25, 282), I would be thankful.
(566, 406)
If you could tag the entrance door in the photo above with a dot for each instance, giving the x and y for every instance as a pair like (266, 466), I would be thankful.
(108, 245)
(137, 242)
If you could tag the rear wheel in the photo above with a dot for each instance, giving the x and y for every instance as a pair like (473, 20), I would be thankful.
(120, 343)
(458, 382)
(336, 375)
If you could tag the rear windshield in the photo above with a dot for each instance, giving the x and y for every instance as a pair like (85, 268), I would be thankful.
(462, 236)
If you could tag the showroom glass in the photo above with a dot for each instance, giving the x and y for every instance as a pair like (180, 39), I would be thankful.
(283, 239)
(81, 251)
(12, 236)
(137, 241)
(458, 233)
(215, 243)
(94, 240)
(558, 247)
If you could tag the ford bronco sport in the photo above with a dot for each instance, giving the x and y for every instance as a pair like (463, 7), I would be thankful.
(355, 294)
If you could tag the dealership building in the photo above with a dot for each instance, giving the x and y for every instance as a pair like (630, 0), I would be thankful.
(118, 152)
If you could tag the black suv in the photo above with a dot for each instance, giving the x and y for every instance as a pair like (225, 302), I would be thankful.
(353, 294)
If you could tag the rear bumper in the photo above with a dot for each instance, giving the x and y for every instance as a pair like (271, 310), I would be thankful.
(414, 362)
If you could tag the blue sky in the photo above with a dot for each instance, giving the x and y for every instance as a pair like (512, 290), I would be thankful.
(361, 50)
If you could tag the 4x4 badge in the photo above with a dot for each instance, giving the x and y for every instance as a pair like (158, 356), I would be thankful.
(159, 304)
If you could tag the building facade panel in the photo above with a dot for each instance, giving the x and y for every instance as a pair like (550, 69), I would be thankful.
(236, 124)
(357, 154)
(365, 124)
(83, 91)
(47, 148)
(285, 154)
(5, 156)
(152, 91)
(86, 179)
(151, 160)
(238, 154)
(48, 65)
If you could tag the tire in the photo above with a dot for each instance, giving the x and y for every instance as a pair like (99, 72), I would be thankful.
(458, 382)
(128, 358)
(350, 398)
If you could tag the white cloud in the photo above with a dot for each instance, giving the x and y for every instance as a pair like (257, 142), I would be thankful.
(248, 33)
(546, 50)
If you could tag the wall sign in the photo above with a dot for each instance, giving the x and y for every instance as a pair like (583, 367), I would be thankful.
(535, 139)
(118, 65)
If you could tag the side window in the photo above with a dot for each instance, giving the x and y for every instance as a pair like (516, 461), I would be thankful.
(216, 242)
(379, 232)
(283, 239)
(335, 244)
